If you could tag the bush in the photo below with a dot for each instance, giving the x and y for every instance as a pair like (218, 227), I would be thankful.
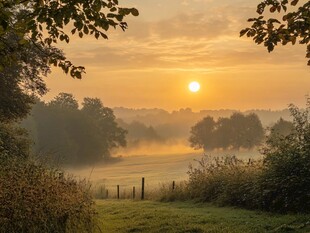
(167, 193)
(13, 141)
(34, 198)
(225, 181)
(286, 176)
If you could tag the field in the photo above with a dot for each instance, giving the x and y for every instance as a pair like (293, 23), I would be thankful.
(155, 217)
(156, 168)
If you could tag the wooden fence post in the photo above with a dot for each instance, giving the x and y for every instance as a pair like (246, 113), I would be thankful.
(107, 194)
(133, 192)
(173, 185)
(117, 191)
(142, 191)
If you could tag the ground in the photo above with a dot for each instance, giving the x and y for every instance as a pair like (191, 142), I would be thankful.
(120, 216)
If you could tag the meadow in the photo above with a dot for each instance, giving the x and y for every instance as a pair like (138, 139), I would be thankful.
(158, 169)
(122, 216)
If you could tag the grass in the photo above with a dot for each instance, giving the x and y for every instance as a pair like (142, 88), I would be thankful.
(122, 216)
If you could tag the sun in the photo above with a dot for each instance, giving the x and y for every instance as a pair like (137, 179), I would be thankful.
(194, 86)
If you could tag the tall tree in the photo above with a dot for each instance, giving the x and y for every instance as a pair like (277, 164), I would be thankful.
(103, 118)
(294, 26)
(71, 135)
(29, 31)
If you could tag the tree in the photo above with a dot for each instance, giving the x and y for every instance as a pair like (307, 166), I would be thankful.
(71, 135)
(43, 23)
(202, 134)
(29, 31)
(294, 26)
(237, 131)
(253, 132)
(139, 132)
(103, 119)
(281, 129)
(224, 133)
(65, 101)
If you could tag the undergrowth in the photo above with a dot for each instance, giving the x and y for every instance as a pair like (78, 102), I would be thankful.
(34, 198)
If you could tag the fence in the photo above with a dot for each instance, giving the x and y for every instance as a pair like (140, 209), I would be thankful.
(104, 193)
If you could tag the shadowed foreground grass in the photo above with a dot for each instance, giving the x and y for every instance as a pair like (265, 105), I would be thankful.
(147, 216)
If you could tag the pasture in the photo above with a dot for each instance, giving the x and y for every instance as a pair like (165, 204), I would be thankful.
(124, 216)
(157, 169)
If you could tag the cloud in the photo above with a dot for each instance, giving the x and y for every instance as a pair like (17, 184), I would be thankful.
(188, 40)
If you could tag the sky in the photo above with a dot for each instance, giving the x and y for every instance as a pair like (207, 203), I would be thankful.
(174, 42)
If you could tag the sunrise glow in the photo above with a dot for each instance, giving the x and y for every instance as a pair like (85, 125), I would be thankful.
(194, 86)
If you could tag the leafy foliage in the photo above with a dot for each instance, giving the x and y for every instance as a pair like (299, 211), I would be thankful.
(29, 31)
(13, 141)
(39, 199)
(73, 135)
(140, 133)
(238, 131)
(226, 181)
(43, 23)
(294, 26)
(280, 129)
(21, 71)
(287, 174)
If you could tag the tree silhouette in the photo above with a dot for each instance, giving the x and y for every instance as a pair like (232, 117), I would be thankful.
(29, 31)
(202, 134)
(237, 131)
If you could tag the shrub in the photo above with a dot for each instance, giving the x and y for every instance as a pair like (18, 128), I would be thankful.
(34, 198)
(286, 176)
(166, 192)
(226, 181)
(13, 141)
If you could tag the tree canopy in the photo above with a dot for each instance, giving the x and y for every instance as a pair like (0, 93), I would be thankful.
(237, 131)
(280, 129)
(293, 27)
(29, 33)
(67, 134)
(46, 22)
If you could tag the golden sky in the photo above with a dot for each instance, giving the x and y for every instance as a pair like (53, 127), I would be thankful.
(174, 42)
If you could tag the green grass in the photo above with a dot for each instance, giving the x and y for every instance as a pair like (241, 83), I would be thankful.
(150, 217)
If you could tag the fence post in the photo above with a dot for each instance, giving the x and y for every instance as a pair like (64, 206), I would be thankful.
(142, 191)
(101, 192)
(133, 192)
(173, 185)
(107, 194)
(117, 191)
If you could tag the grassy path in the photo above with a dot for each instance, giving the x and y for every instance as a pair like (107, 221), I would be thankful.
(150, 217)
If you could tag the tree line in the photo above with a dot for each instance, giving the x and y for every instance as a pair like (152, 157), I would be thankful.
(234, 132)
